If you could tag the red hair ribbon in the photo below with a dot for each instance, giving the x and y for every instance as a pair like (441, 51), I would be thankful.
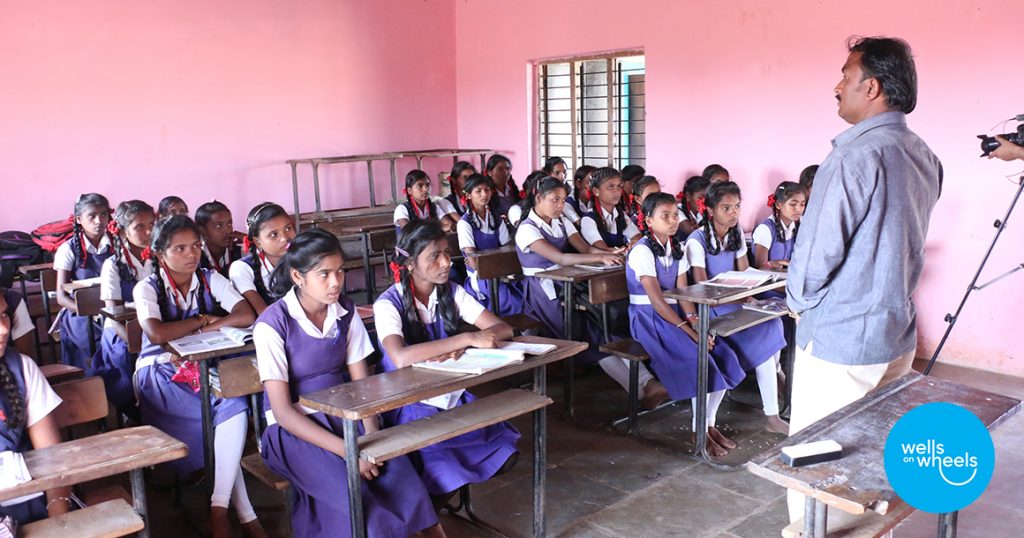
(405, 191)
(146, 254)
(680, 196)
(245, 244)
(71, 218)
(462, 201)
(396, 271)
(701, 207)
(641, 222)
(771, 200)
(629, 200)
(112, 227)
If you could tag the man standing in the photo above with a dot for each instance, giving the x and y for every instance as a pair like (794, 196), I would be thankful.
(860, 251)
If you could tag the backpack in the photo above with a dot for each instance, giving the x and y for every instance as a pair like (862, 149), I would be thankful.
(16, 249)
(52, 234)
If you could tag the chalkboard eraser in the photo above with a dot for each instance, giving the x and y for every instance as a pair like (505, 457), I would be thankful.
(811, 453)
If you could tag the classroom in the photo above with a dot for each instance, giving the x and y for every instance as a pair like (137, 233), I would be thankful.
(658, 239)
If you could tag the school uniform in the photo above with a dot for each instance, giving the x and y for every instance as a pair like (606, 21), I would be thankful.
(244, 279)
(577, 209)
(471, 457)
(290, 348)
(168, 405)
(404, 211)
(113, 362)
(612, 236)
(74, 329)
(478, 233)
(765, 234)
(455, 203)
(17, 312)
(40, 400)
(506, 198)
(221, 264)
(514, 215)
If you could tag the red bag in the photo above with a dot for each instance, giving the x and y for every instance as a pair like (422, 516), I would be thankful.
(53, 234)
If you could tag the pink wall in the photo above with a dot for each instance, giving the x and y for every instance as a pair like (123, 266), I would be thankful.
(749, 84)
(207, 99)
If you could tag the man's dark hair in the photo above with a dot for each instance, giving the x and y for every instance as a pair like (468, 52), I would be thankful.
(889, 61)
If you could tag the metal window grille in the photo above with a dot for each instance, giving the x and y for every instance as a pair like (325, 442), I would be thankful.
(591, 110)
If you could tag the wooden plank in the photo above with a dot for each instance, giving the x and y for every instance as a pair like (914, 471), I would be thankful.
(27, 269)
(239, 377)
(87, 300)
(256, 466)
(496, 263)
(857, 482)
(57, 373)
(383, 238)
(627, 348)
(104, 520)
(608, 287)
(84, 400)
(739, 320)
(374, 224)
(391, 390)
(119, 313)
(71, 287)
(389, 443)
(869, 525)
(718, 295)
(95, 457)
(205, 356)
(521, 322)
(576, 274)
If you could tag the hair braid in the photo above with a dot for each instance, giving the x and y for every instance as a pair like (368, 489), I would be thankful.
(15, 399)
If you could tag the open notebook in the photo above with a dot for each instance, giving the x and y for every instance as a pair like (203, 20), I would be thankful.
(751, 278)
(225, 338)
(475, 361)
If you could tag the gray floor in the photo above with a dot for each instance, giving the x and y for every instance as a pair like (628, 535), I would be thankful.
(602, 484)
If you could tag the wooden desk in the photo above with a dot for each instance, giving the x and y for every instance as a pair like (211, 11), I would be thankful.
(126, 450)
(56, 373)
(494, 264)
(861, 428)
(71, 287)
(120, 313)
(366, 230)
(376, 394)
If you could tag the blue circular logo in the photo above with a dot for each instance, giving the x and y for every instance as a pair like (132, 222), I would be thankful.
(939, 457)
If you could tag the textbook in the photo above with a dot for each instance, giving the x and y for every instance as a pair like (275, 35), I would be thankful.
(775, 305)
(751, 278)
(598, 266)
(527, 349)
(225, 338)
(474, 361)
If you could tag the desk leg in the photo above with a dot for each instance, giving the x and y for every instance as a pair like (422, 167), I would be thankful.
(92, 339)
(49, 322)
(355, 492)
(568, 293)
(495, 296)
(700, 412)
(139, 499)
(208, 433)
(947, 524)
(540, 458)
(365, 238)
(815, 518)
(790, 329)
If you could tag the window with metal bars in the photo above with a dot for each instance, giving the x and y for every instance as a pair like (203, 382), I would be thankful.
(590, 110)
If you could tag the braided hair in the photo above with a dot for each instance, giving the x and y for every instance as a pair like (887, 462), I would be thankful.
(785, 191)
(416, 237)
(123, 217)
(457, 170)
(692, 186)
(714, 195)
(493, 163)
(638, 189)
(600, 176)
(254, 222)
(15, 400)
(650, 204)
(473, 182)
(163, 232)
(411, 179)
(77, 241)
(305, 252)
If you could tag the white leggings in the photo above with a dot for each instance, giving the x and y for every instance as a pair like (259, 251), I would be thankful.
(768, 384)
(228, 482)
(618, 369)
(714, 402)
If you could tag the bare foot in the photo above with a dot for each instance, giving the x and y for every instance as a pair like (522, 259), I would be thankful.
(775, 424)
(220, 525)
(720, 438)
(654, 395)
(715, 450)
(253, 529)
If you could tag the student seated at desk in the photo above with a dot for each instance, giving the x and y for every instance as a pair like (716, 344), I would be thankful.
(220, 247)
(270, 230)
(26, 401)
(79, 258)
(16, 309)
(555, 167)
(499, 169)
(668, 329)
(515, 213)
(132, 230)
(419, 205)
(307, 341)
(691, 204)
(579, 194)
(774, 238)
(543, 241)
(608, 226)
(179, 299)
(481, 229)
(457, 184)
(418, 319)
(718, 247)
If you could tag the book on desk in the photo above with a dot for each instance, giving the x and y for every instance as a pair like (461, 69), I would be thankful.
(476, 361)
(599, 266)
(750, 278)
(225, 338)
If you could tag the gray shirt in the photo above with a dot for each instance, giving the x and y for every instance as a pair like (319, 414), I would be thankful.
(860, 248)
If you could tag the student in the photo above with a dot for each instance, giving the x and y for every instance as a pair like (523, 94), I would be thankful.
(179, 299)
(457, 183)
(608, 226)
(220, 247)
(716, 247)
(515, 213)
(20, 335)
(480, 229)
(691, 203)
(543, 241)
(631, 173)
(310, 340)
(642, 188)
(26, 421)
(132, 230)
(79, 258)
(578, 195)
(555, 167)
(715, 173)
(667, 328)
(270, 230)
(499, 169)
(774, 238)
(171, 205)
(418, 319)
(419, 205)
(807, 178)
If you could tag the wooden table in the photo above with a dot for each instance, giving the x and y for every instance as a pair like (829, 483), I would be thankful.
(71, 287)
(376, 394)
(126, 450)
(492, 265)
(23, 272)
(120, 313)
(861, 428)
(363, 230)
(706, 296)
(569, 276)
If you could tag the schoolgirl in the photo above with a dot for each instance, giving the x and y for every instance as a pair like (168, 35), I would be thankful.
(419, 205)
(480, 229)
(457, 184)
(220, 247)
(20, 335)
(269, 231)
(607, 226)
(774, 238)
(499, 169)
(515, 213)
(171, 205)
(691, 204)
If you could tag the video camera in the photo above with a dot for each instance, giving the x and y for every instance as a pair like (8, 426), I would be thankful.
(989, 143)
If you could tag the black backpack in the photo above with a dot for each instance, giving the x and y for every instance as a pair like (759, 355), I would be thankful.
(16, 249)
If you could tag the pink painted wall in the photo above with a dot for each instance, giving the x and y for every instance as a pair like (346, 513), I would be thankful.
(207, 99)
(749, 84)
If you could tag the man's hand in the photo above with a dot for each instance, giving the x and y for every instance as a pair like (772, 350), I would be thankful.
(1007, 151)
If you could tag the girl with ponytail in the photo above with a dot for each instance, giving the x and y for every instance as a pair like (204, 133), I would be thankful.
(579, 197)
(419, 205)
(220, 245)
(774, 238)
(178, 299)
(480, 229)
(607, 226)
(309, 340)
(718, 247)
(499, 169)
(642, 188)
(515, 213)
(131, 229)
(691, 200)
(79, 258)
(269, 232)
(418, 319)
(457, 184)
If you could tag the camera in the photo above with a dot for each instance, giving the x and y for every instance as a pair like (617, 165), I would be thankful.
(989, 143)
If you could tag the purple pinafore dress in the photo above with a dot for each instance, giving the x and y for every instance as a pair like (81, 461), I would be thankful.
(780, 250)
(613, 240)
(17, 440)
(396, 503)
(113, 362)
(174, 407)
(757, 344)
(467, 459)
(510, 295)
(13, 301)
(673, 353)
(74, 329)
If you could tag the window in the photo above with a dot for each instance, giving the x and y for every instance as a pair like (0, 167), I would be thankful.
(590, 110)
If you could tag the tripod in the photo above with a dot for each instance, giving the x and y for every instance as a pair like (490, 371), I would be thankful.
(1000, 225)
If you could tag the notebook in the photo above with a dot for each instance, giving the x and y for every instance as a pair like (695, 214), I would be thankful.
(225, 338)
(475, 361)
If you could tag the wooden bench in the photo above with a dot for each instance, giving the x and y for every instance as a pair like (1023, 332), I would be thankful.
(108, 519)
(500, 264)
(58, 373)
(869, 525)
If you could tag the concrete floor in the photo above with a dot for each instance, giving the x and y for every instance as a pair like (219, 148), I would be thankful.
(601, 484)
